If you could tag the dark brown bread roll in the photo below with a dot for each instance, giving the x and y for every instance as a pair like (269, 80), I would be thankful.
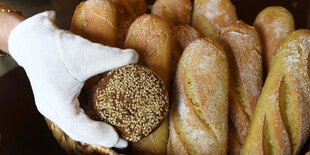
(133, 99)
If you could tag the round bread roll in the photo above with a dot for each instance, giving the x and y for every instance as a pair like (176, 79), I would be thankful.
(133, 99)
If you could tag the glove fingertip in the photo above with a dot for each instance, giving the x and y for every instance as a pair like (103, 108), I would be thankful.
(134, 56)
(121, 144)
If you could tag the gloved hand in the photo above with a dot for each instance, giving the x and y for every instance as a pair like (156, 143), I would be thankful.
(57, 64)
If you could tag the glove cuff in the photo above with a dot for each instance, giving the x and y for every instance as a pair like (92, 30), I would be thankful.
(20, 38)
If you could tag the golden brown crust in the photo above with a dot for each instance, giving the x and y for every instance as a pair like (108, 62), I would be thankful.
(176, 12)
(183, 35)
(151, 37)
(281, 122)
(127, 12)
(273, 25)
(243, 47)
(133, 99)
(96, 21)
(199, 115)
(210, 16)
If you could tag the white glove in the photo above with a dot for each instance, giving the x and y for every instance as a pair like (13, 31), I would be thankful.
(57, 64)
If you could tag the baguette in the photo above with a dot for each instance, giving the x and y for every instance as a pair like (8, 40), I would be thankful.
(183, 35)
(273, 25)
(127, 12)
(243, 47)
(151, 37)
(96, 21)
(198, 118)
(210, 16)
(176, 12)
(282, 117)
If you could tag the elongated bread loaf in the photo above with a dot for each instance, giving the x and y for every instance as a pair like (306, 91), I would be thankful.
(273, 25)
(281, 122)
(127, 12)
(96, 21)
(176, 12)
(210, 16)
(183, 35)
(151, 37)
(198, 118)
(243, 47)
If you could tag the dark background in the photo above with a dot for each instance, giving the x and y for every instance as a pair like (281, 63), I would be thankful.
(23, 128)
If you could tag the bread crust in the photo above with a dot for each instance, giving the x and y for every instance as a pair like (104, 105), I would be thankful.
(281, 122)
(198, 118)
(183, 35)
(273, 25)
(243, 47)
(151, 37)
(127, 12)
(176, 12)
(133, 99)
(210, 16)
(96, 21)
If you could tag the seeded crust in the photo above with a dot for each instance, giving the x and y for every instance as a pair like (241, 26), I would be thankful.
(133, 99)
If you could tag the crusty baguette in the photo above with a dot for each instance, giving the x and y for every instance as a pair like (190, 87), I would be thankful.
(243, 47)
(281, 122)
(210, 16)
(273, 25)
(176, 12)
(198, 119)
(183, 35)
(96, 21)
(127, 12)
(151, 37)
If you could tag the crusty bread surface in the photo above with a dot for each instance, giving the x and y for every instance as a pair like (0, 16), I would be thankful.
(243, 48)
(281, 122)
(198, 118)
(273, 25)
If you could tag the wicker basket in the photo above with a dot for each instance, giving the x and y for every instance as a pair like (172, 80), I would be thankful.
(75, 147)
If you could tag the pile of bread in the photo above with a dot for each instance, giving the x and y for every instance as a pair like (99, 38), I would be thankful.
(233, 88)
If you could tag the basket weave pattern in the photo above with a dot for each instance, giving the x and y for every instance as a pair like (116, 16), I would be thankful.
(75, 147)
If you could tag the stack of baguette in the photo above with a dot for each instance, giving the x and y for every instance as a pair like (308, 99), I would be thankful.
(215, 67)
